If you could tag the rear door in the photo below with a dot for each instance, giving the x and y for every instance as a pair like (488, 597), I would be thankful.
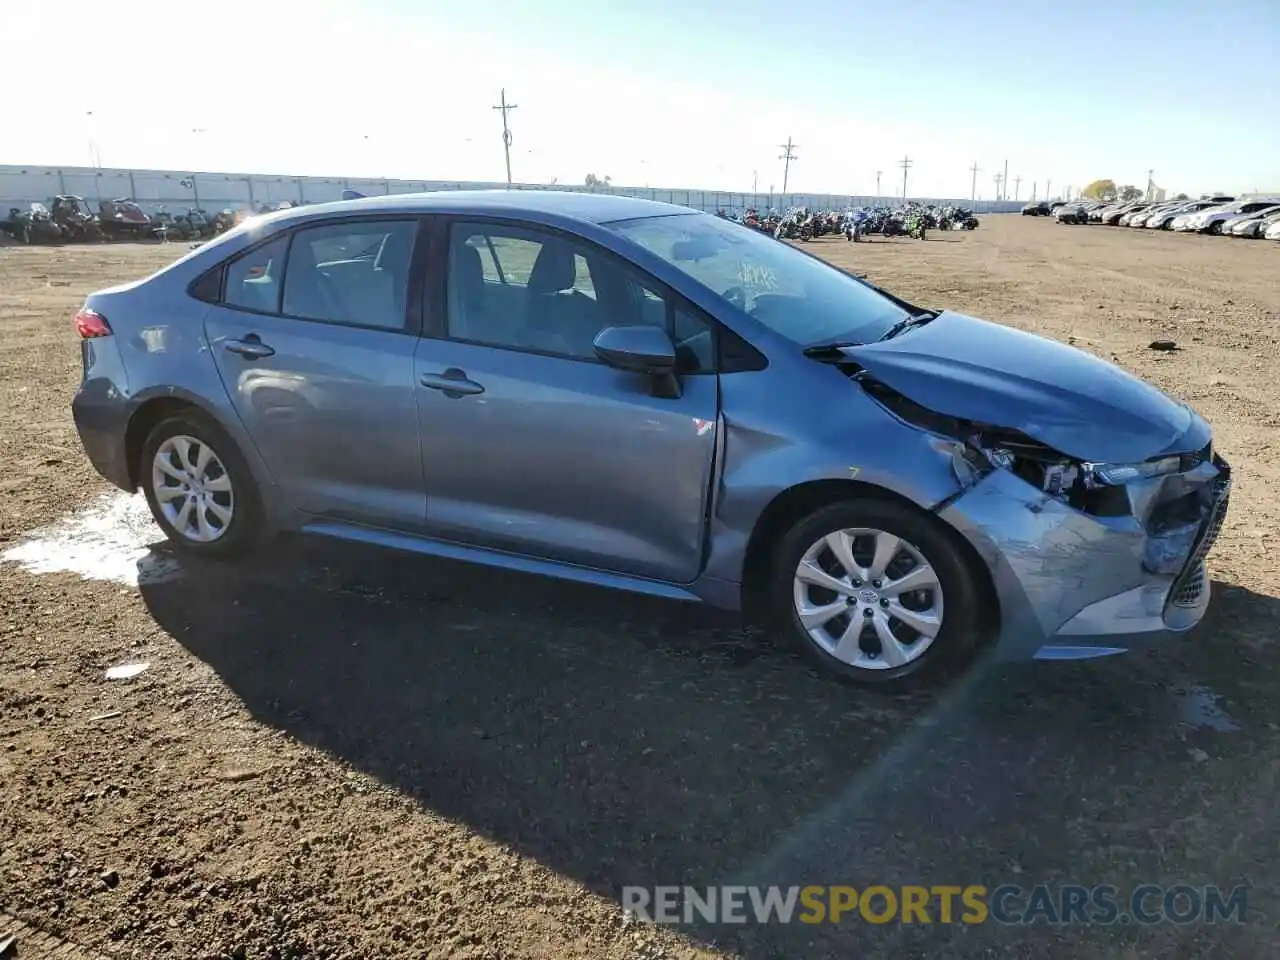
(531, 444)
(314, 338)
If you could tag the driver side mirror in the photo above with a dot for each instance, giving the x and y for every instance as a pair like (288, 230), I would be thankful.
(641, 349)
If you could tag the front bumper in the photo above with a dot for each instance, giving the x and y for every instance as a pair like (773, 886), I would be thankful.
(1073, 585)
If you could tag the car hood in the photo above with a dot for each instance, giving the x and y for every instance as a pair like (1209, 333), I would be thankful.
(1063, 397)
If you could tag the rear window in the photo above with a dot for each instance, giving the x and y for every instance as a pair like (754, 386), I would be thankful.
(351, 273)
(253, 280)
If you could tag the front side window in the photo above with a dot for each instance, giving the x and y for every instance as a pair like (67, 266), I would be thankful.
(791, 293)
(549, 294)
(253, 279)
(351, 273)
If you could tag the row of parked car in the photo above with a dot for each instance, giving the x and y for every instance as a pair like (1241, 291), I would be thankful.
(1252, 217)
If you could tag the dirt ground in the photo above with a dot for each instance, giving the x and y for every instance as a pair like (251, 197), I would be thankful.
(339, 752)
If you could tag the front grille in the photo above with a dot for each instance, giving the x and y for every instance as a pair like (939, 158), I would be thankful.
(1189, 592)
(1190, 583)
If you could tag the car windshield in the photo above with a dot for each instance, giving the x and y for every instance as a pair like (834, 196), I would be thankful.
(791, 293)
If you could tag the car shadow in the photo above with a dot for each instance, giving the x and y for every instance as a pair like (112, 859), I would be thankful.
(621, 740)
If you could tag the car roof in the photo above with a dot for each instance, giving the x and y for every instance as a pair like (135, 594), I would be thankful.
(589, 207)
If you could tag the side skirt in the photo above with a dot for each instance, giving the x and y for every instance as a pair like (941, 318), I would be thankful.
(496, 558)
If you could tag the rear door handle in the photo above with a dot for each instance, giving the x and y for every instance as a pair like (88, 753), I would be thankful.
(251, 348)
(452, 383)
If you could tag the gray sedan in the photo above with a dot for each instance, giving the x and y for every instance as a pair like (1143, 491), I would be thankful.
(644, 397)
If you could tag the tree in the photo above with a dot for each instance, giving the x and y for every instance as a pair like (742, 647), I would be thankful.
(592, 181)
(1129, 193)
(1100, 190)
(1182, 196)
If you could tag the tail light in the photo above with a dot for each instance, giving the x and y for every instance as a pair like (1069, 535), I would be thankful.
(91, 324)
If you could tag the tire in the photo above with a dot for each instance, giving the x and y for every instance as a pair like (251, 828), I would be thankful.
(955, 600)
(231, 488)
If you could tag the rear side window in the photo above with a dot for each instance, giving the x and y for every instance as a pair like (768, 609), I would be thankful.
(253, 280)
(351, 273)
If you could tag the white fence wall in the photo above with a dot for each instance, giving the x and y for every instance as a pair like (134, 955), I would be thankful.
(177, 190)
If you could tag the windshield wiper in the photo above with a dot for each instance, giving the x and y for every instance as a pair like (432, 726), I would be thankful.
(917, 319)
(831, 348)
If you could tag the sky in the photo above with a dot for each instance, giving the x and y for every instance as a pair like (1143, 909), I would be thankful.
(700, 93)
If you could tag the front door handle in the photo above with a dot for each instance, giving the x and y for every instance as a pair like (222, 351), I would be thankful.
(251, 348)
(452, 383)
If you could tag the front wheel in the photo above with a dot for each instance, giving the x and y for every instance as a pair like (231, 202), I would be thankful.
(877, 592)
(199, 487)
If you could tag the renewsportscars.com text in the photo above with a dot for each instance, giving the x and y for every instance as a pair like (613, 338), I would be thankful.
(1145, 904)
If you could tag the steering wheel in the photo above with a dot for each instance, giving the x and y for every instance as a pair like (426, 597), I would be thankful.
(736, 296)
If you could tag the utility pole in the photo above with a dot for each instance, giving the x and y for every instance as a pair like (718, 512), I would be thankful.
(999, 180)
(878, 172)
(93, 145)
(1005, 181)
(1151, 185)
(1034, 185)
(506, 130)
(755, 182)
(905, 164)
(788, 156)
(973, 188)
(1047, 194)
(1017, 186)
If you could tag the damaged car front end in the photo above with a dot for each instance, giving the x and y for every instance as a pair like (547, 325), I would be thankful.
(1091, 497)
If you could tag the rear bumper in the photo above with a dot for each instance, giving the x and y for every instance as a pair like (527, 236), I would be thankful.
(1071, 585)
(102, 420)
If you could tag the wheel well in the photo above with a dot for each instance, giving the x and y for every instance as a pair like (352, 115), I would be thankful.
(789, 506)
(142, 423)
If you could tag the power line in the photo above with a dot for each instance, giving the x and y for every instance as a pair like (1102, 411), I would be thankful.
(905, 164)
(973, 188)
(788, 156)
(506, 130)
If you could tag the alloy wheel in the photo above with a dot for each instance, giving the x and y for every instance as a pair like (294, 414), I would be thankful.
(192, 489)
(868, 598)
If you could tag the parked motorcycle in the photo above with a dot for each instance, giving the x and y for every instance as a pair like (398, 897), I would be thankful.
(32, 225)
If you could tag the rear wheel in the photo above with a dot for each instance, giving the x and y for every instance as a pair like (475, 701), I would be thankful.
(199, 487)
(877, 592)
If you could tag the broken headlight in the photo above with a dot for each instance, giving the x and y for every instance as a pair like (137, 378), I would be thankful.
(1118, 474)
(1039, 466)
(1096, 488)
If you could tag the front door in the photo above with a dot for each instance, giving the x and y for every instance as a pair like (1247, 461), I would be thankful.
(320, 368)
(530, 444)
